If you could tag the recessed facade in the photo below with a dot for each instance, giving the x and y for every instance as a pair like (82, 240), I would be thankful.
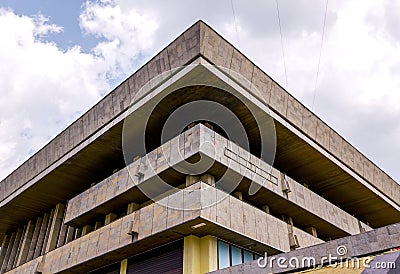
(197, 162)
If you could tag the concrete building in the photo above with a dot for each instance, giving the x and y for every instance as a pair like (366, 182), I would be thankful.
(125, 190)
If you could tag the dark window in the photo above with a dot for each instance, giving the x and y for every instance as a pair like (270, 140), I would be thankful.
(230, 255)
(167, 259)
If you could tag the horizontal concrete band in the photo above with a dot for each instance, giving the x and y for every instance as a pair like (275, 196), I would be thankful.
(113, 241)
(356, 246)
(197, 140)
(200, 40)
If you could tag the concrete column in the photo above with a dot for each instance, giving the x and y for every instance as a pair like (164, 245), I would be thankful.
(190, 180)
(55, 227)
(34, 240)
(78, 233)
(70, 234)
(42, 234)
(132, 207)
(8, 252)
(238, 195)
(312, 230)
(208, 179)
(124, 266)
(265, 208)
(62, 236)
(109, 218)
(46, 237)
(199, 254)
(86, 230)
(97, 225)
(4, 246)
(26, 242)
(14, 249)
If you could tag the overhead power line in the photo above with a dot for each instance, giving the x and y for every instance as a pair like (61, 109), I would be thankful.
(234, 20)
(320, 54)
(283, 49)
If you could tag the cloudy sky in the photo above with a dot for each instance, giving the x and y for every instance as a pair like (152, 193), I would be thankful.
(58, 58)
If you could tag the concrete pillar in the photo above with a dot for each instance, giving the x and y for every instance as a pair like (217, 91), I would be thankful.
(208, 179)
(78, 233)
(312, 230)
(190, 180)
(238, 195)
(97, 225)
(19, 247)
(4, 246)
(70, 234)
(86, 229)
(132, 207)
(14, 249)
(26, 242)
(199, 254)
(55, 227)
(265, 208)
(46, 236)
(42, 234)
(109, 218)
(124, 266)
(8, 252)
(34, 240)
(62, 236)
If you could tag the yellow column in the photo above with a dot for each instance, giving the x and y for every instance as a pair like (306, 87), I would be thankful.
(124, 266)
(199, 254)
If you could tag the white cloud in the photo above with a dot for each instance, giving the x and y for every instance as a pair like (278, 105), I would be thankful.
(357, 93)
(43, 88)
(126, 33)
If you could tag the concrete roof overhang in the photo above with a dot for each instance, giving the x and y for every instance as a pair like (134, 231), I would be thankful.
(96, 157)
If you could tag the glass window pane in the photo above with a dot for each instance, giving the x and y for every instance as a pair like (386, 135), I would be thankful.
(256, 256)
(236, 254)
(223, 255)
(247, 256)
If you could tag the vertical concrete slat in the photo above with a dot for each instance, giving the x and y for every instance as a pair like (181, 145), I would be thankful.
(26, 241)
(4, 246)
(8, 252)
(34, 240)
(42, 234)
(14, 249)
(46, 235)
(55, 227)
(70, 234)
(63, 235)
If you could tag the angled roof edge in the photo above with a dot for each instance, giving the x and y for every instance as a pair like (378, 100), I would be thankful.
(200, 39)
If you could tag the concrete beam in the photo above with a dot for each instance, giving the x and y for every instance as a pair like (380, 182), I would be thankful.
(35, 238)
(26, 242)
(55, 227)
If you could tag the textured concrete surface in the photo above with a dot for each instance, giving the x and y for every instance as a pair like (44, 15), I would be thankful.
(226, 153)
(201, 40)
(155, 218)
